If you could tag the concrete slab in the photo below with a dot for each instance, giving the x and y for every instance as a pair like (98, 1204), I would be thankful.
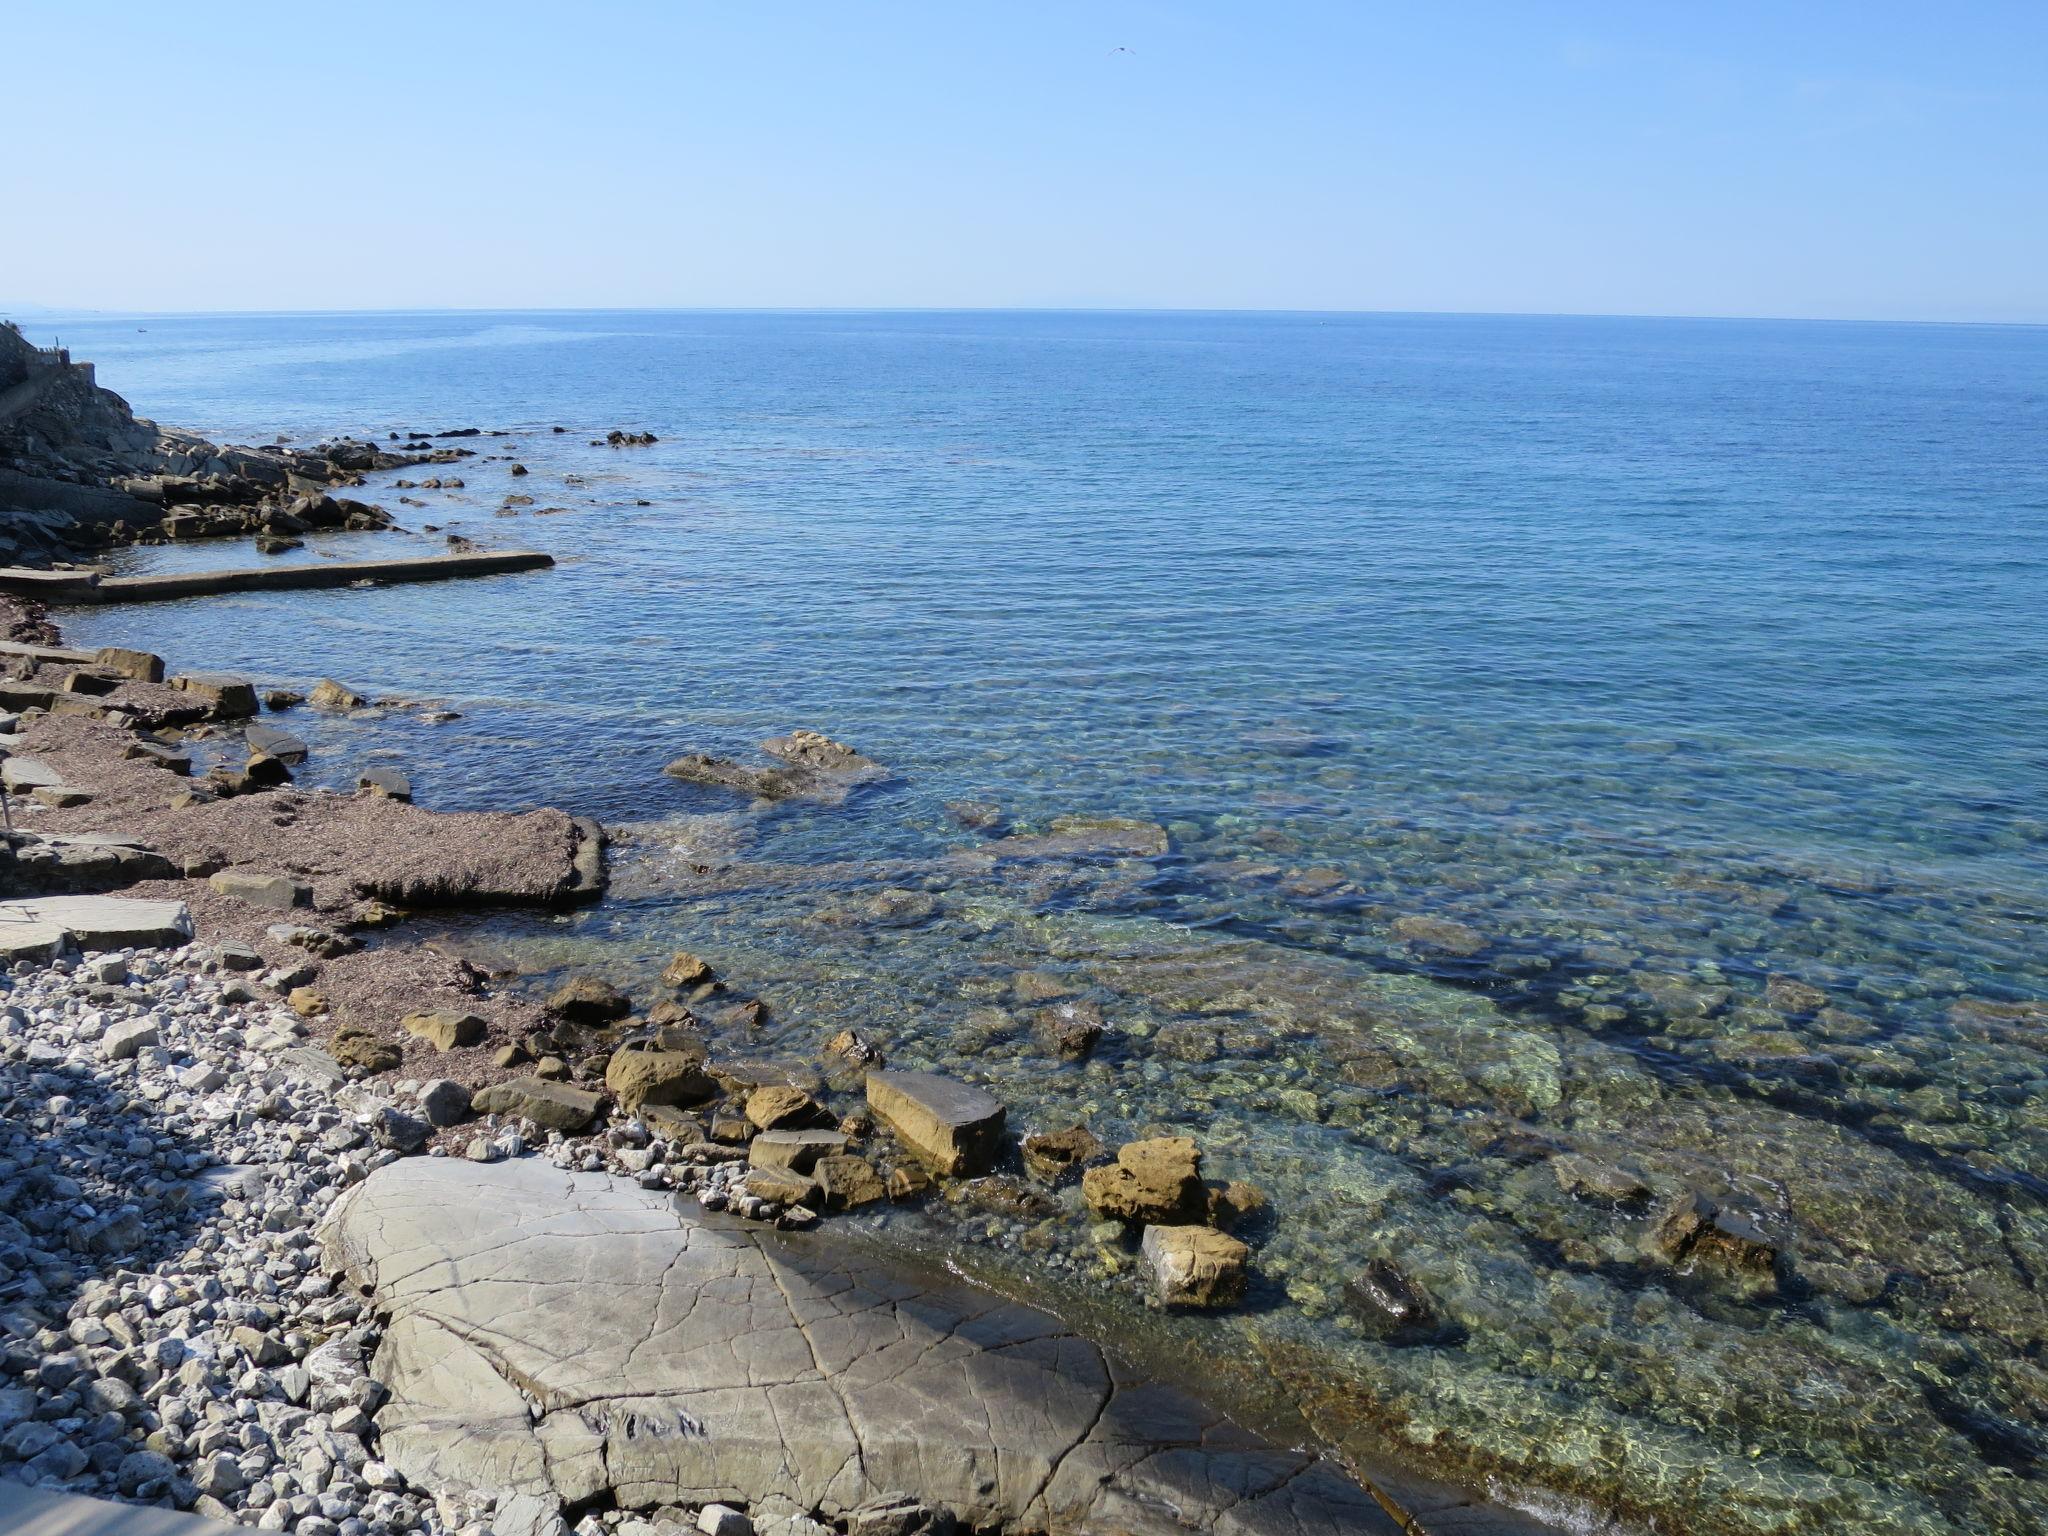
(279, 578)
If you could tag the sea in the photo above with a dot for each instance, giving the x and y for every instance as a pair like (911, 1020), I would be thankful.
(1498, 783)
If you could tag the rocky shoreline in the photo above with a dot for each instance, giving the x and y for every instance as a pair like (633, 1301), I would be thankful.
(193, 1342)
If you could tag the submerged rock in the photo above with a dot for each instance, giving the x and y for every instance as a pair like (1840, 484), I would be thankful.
(1391, 1305)
(1692, 1226)
(1054, 1156)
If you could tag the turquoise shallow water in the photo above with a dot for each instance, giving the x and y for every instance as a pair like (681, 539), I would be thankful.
(1662, 658)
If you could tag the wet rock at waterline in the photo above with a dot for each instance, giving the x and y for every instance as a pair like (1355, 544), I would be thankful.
(642, 1357)
(955, 1128)
(1195, 1266)
(1151, 1182)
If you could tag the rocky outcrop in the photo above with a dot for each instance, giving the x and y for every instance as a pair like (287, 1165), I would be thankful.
(569, 1338)
(79, 469)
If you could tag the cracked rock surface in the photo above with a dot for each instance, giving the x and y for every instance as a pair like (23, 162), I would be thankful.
(562, 1337)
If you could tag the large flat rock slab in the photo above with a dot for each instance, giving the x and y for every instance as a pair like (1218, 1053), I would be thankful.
(45, 1512)
(29, 929)
(560, 1336)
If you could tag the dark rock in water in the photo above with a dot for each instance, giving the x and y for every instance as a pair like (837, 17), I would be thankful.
(1789, 995)
(1085, 837)
(586, 1000)
(1189, 1040)
(813, 749)
(266, 772)
(977, 815)
(685, 970)
(1235, 1204)
(1070, 1030)
(622, 439)
(388, 782)
(1055, 1156)
(1693, 1227)
(1392, 1306)
(1578, 1174)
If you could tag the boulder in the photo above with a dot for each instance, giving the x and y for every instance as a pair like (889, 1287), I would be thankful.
(551, 1106)
(334, 697)
(1194, 1266)
(444, 1102)
(955, 1128)
(123, 1039)
(780, 1106)
(781, 1185)
(224, 697)
(1156, 1182)
(845, 1182)
(142, 666)
(353, 1046)
(637, 1077)
(388, 782)
(795, 1151)
(280, 892)
(685, 970)
(446, 1029)
(95, 922)
(586, 1000)
(271, 742)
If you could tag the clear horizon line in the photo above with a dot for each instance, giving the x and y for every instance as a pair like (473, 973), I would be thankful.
(45, 311)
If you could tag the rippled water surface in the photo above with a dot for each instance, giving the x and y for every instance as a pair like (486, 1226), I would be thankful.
(1602, 738)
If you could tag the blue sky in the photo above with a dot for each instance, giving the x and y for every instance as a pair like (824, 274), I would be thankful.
(1811, 159)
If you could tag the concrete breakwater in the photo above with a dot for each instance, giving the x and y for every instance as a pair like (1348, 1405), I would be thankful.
(93, 587)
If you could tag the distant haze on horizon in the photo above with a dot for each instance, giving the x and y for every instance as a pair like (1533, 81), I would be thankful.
(1822, 161)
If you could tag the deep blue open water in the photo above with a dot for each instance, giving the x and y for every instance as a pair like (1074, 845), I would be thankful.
(1660, 657)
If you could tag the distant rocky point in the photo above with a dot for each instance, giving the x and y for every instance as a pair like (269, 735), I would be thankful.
(79, 470)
